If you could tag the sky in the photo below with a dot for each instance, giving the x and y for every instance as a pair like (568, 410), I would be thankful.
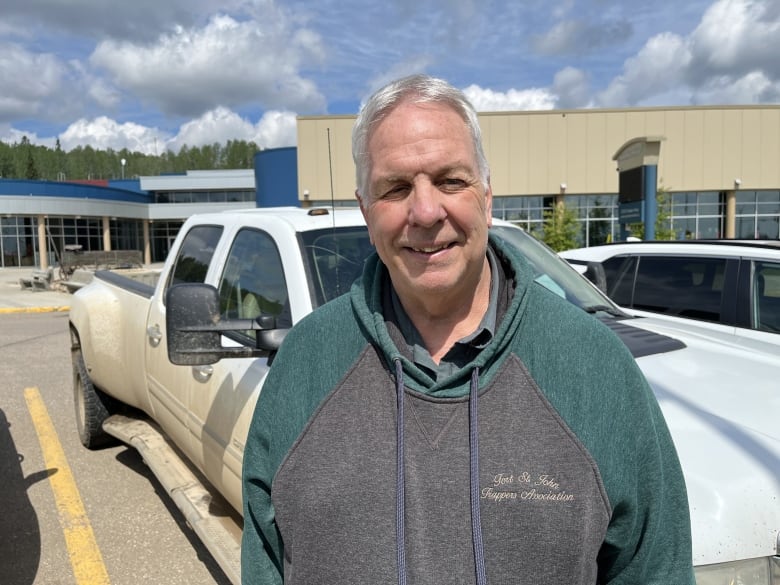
(154, 75)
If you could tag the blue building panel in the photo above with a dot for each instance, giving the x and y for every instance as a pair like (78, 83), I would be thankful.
(16, 187)
(276, 177)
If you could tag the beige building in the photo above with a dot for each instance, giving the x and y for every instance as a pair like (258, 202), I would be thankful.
(720, 165)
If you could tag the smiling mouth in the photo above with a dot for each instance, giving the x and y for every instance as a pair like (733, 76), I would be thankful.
(430, 249)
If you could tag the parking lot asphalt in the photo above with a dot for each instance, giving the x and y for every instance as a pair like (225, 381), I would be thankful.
(15, 298)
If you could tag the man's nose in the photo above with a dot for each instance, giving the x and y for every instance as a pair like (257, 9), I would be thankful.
(426, 204)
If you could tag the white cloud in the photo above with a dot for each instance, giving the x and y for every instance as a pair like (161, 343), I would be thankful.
(736, 36)
(22, 94)
(227, 62)
(104, 133)
(487, 100)
(730, 57)
(273, 130)
(658, 67)
(11, 135)
(572, 88)
(44, 87)
(753, 87)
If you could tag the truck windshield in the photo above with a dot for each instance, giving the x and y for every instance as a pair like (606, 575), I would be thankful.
(553, 272)
(335, 256)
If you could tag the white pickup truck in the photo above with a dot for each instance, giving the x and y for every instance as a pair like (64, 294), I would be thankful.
(149, 369)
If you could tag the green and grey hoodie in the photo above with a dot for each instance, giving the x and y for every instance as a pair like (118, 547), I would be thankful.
(544, 461)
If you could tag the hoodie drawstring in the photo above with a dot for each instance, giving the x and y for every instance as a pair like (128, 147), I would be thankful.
(400, 504)
(476, 521)
(400, 519)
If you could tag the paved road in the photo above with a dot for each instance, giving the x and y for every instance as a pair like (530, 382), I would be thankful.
(138, 536)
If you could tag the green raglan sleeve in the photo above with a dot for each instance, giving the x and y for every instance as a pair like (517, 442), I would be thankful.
(649, 536)
(261, 546)
(305, 370)
(290, 394)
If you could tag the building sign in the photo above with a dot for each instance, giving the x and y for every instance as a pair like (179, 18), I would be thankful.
(631, 212)
(631, 185)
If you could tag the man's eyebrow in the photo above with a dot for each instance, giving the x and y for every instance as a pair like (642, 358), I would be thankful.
(392, 180)
(443, 170)
(455, 168)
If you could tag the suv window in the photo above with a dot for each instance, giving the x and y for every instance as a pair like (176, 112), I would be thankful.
(684, 286)
(766, 294)
(620, 272)
(253, 283)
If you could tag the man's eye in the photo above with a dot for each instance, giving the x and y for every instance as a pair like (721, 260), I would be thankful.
(452, 183)
(395, 191)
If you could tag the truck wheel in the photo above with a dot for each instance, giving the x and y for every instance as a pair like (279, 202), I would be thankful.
(92, 407)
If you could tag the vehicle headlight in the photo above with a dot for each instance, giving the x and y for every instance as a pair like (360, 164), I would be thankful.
(762, 571)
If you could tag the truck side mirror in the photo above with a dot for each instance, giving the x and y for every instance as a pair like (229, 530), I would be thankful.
(195, 327)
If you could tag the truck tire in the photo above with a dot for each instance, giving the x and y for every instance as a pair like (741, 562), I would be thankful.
(92, 406)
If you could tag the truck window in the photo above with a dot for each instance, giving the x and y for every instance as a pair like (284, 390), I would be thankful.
(252, 283)
(195, 254)
(684, 286)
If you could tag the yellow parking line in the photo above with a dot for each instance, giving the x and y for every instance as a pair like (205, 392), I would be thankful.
(85, 557)
(8, 310)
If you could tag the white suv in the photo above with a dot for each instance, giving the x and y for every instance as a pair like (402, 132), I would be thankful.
(726, 286)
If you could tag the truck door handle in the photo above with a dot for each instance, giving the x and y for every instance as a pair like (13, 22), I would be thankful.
(154, 334)
(202, 373)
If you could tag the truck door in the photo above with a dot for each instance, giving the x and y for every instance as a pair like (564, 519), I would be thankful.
(221, 404)
(170, 385)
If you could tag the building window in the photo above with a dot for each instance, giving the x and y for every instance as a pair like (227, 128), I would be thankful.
(86, 232)
(126, 234)
(161, 235)
(233, 196)
(698, 215)
(598, 216)
(18, 241)
(758, 215)
(527, 212)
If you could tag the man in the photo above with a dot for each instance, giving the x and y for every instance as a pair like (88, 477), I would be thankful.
(453, 421)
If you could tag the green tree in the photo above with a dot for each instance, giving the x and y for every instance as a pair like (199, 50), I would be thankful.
(663, 218)
(600, 230)
(30, 169)
(24, 160)
(560, 228)
(6, 161)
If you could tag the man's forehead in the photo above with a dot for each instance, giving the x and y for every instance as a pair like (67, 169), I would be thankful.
(411, 109)
(419, 129)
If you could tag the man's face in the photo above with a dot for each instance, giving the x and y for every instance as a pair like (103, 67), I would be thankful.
(427, 211)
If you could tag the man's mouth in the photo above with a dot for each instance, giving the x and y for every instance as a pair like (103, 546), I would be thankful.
(430, 249)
